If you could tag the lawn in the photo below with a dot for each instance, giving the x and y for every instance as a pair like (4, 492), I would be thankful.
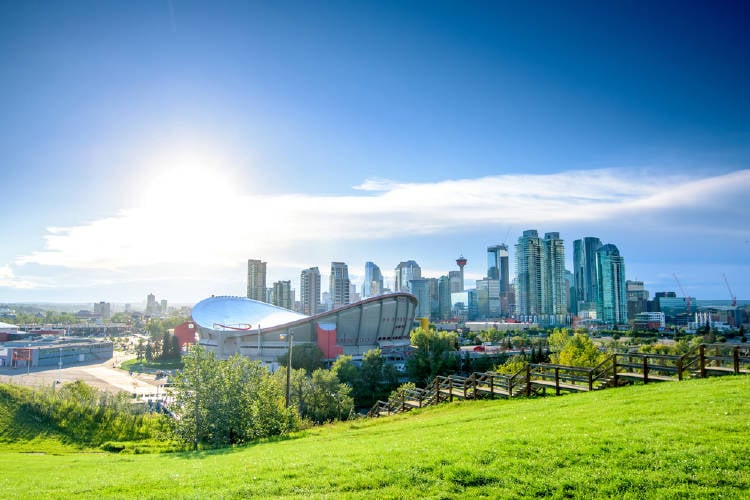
(672, 440)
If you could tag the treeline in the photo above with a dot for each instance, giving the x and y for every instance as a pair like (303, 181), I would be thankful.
(83, 414)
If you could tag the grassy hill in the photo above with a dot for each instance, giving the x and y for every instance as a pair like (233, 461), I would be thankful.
(670, 440)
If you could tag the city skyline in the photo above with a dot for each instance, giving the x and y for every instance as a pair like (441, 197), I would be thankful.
(156, 147)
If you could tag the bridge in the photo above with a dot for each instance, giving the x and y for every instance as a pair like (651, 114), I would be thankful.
(538, 378)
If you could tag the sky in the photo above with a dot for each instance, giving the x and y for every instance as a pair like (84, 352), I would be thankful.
(155, 146)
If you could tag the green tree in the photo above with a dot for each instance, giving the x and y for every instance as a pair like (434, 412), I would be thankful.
(227, 402)
(434, 354)
(512, 366)
(327, 398)
(306, 356)
(579, 350)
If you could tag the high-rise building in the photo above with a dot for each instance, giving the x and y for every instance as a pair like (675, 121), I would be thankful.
(339, 284)
(637, 298)
(445, 306)
(497, 268)
(405, 272)
(152, 307)
(554, 289)
(612, 306)
(420, 288)
(310, 291)
(103, 310)
(373, 284)
(584, 272)
(455, 280)
(282, 294)
(488, 298)
(256, 280)
(529, 275)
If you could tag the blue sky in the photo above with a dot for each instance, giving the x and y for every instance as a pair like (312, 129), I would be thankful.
(153, 147)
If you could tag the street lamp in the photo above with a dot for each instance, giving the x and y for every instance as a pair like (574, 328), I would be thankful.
(290, 343)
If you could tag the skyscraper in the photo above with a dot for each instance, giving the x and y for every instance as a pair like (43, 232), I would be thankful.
(584, 272)
(612, 306)
(554, 289)
(339, 284)
(529, 275)
(445, 306)
(488, 298)
(420, 288)
(310, 290)
(373, 284)
(405, 272)
(281, 294)
(497, 268)
(256, 280)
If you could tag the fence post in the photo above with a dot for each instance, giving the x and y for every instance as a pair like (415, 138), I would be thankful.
(702, 357)
(450, 388)
(492, 387)
(736, 356)
(528, 380)
(614, 369)
(679, 368)
(645, 369)
(557, 381)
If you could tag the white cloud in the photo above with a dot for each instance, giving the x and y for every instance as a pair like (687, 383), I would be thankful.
(8, 279)
(226, 228)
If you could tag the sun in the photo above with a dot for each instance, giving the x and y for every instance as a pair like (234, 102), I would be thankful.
(181, 186)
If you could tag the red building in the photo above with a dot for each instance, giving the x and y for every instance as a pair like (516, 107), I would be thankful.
(186, 333)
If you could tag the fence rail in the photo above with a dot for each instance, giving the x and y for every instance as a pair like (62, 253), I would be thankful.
(617, 369)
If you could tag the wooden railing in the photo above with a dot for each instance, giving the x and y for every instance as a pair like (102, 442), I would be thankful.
(701, 361)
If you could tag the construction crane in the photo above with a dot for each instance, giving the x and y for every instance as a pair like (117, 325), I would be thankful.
(734, 299)
(684, 295)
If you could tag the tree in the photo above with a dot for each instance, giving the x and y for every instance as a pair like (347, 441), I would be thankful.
(579, 350)
(513, 365)
(327, 398)
(377, 378)
(227, 402)
(434, 355)
(306, 356)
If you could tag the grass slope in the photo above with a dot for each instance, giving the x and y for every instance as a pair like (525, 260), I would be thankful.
(671, 440)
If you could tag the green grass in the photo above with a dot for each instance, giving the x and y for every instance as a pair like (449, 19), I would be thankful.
(672, 440)
(150, 366)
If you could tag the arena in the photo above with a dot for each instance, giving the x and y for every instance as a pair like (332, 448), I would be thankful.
(261, 331)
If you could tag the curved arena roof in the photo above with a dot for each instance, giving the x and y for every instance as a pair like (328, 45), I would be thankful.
(229, 325)
(239, 313)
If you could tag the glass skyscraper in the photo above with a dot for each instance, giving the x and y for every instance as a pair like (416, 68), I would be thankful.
(373, 284)
(584, 272)
(497, 268)
(612, 306)
(529, 275)
(310, 290)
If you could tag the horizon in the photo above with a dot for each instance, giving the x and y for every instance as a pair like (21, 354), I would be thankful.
(155, 147)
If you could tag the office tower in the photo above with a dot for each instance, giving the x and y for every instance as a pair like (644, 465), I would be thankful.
(282, 295)
(637, 297)
(488, 298)
(554, 293)
(455, 281)
(420, 288)
(339, 284)
(570, 285)
(584, 272)
(151, 307)
(310, 290)
(612, 306)
(445, 306)
(373, 284)
(461, 262)
(256, 280)
(405, 272)
(529, 275)
(497, 268)
(163, 306)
